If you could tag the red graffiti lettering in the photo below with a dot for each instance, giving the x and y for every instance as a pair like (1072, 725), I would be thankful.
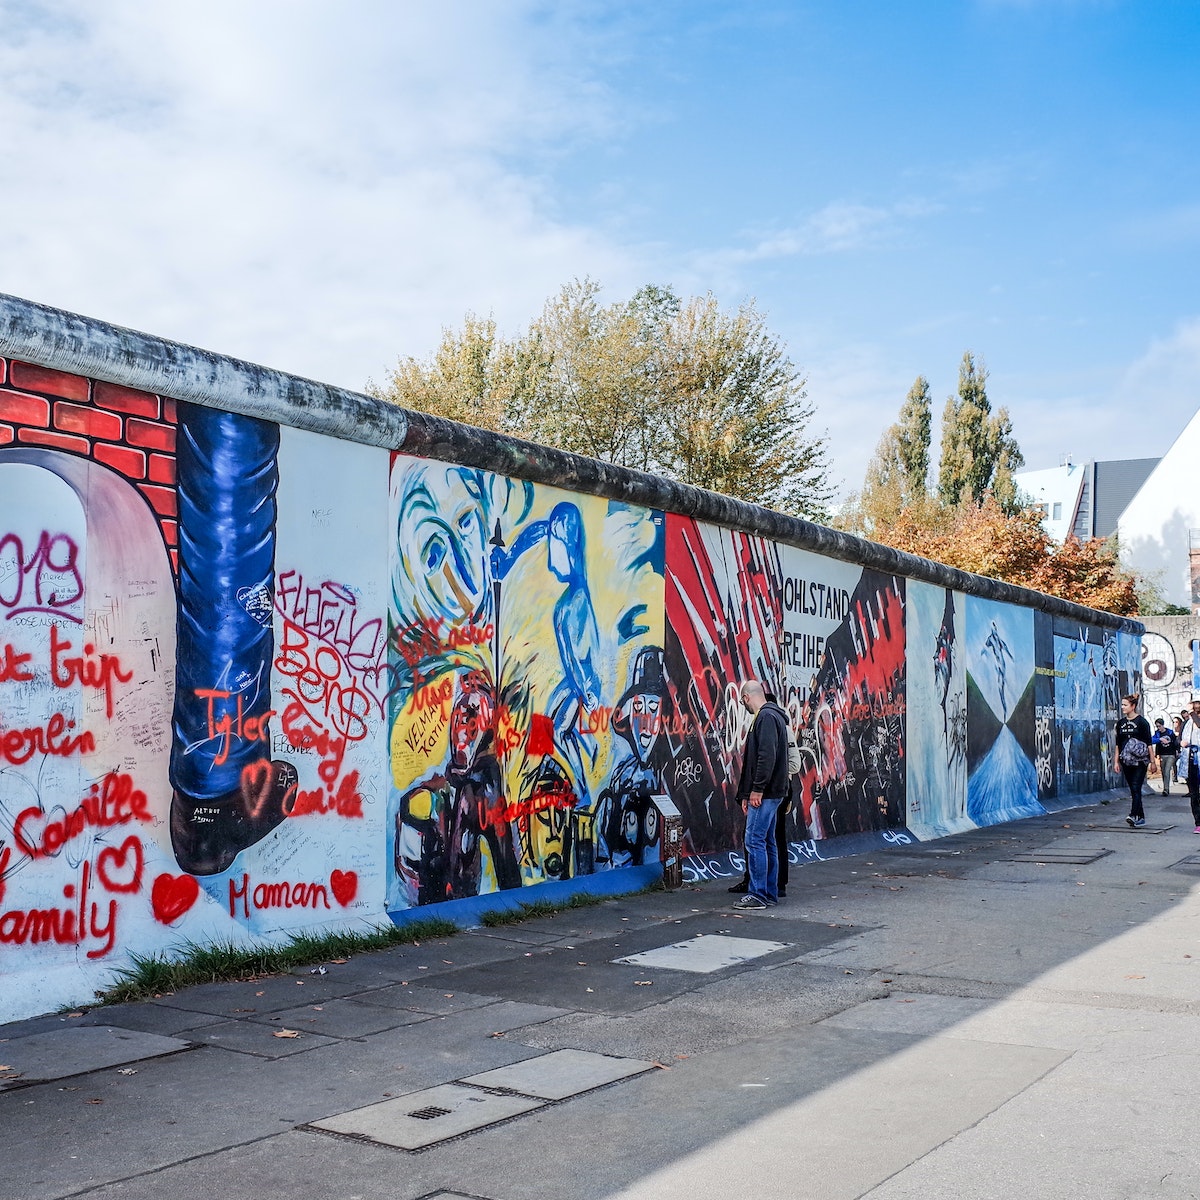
(47, 580)
(20, 745)
(346, 801)
(99, 675)
(433, 695)
(113, 801)
(276, 895)
(329, 614)
(551, 795)
(10, 666)
(229, 725)
(66, 926)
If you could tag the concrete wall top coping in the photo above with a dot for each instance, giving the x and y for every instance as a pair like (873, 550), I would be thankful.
(65, 341)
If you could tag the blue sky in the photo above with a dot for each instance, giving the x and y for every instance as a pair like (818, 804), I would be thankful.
(322, 187)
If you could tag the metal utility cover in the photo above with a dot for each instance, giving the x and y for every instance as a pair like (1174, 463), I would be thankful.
(704, 954)
(1077, 858)
(561, 1074)
(425, 1118)
(1125, 827)
(79, 1051)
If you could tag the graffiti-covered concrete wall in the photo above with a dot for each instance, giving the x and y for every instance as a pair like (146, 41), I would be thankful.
(275, 656)
(1170, 647)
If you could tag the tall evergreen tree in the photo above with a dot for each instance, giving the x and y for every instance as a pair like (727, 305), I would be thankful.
(913, 434)
(979, 451)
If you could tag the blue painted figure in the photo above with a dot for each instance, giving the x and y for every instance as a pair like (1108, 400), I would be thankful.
(228, 794)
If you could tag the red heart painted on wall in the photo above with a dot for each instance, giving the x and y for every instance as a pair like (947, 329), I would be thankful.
(119, 868)
(172, 895)
(344, 885)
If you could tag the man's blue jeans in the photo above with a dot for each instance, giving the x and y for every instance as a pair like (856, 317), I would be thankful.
(762, 855)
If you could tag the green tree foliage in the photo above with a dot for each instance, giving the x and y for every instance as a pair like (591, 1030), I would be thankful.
(913, 435)
(979, 453)
(684, 389)
(898, 473)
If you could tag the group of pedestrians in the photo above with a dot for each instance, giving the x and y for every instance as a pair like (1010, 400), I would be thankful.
(765, 785)
(1177, 750)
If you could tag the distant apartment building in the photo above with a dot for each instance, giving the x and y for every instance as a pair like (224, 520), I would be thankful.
(1085, 499)
(1159, 528)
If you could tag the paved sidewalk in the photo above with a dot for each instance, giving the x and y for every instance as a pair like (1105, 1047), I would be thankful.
(1013, 1012)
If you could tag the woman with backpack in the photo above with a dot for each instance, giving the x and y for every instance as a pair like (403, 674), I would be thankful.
(1133, 756)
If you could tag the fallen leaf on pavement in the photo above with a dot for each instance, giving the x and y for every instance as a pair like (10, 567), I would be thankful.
(288, 1033)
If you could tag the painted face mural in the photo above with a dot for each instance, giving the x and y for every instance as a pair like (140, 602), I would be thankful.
(520, 620)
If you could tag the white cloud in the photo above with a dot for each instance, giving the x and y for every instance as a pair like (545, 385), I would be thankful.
(314, 186)
(835, 228)
(1163, 385)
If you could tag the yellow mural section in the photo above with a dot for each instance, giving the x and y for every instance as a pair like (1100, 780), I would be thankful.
(526, 634)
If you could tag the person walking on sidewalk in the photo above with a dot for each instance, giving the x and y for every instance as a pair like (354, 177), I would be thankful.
(761, 789)
(1133, 756)
(1166, 746)
(1189, 764)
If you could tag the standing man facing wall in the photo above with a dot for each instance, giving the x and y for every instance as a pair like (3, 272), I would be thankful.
(761, 789)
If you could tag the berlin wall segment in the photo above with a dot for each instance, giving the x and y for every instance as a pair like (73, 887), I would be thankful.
(257, 678)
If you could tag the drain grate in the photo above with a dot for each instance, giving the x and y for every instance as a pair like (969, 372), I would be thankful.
(429, 1117)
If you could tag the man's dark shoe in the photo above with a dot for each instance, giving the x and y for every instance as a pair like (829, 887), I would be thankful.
(207, 835)
(739, 889)
(750, 902)
(782, 893)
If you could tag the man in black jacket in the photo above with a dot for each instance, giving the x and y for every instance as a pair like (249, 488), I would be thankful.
(761, 789)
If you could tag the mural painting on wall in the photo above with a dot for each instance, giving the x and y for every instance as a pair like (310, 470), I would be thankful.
(937, 710)
(1167, 669)
(1082, 707)
(527, 705)
(826, 636)
(1093, 669)
(165, 742)
(1002, 777)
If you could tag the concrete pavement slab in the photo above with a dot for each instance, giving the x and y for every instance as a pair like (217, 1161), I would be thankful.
(704, 954)
(918, 1015)
(426, 1000)
(340, 1018)
(271, 993)
(62, 1053)
(422, 1119)
(263, 1041)
(858, 1131)
(560, 1074)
